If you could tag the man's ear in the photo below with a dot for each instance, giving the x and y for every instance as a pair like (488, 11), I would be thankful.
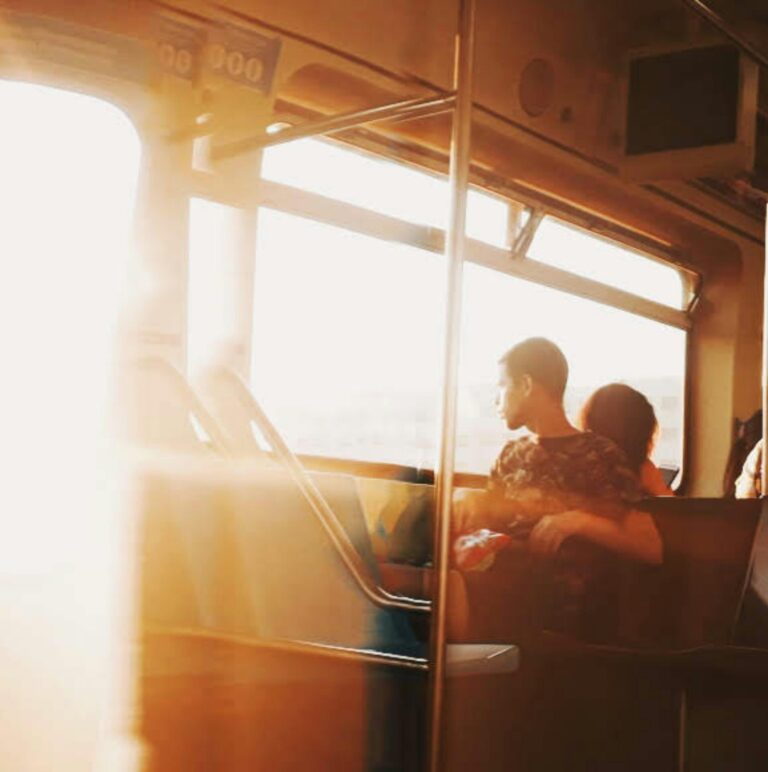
(526, 384)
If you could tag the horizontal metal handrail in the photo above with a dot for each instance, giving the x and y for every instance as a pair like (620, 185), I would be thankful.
(369, 656)
(402, 110)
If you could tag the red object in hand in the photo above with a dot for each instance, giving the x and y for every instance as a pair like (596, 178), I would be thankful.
(476, 551)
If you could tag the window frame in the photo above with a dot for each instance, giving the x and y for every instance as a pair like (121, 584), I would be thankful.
(314, 206)
(233, 185)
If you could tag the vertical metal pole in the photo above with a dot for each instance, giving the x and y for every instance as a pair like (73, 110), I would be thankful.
(454, 249)
(682, 731)
(763, 461)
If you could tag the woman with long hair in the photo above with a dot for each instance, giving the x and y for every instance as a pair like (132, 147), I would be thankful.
(624, 415)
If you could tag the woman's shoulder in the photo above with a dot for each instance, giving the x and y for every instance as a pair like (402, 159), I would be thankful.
(652, 481)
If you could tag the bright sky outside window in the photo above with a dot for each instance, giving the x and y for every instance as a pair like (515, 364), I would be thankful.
(575, 250)
(346, 350)
(347, 340)
(381, 185)
(362, 324)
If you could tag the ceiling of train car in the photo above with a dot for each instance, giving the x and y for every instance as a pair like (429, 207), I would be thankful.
(584, 41)
(338, 56)
(621, 25)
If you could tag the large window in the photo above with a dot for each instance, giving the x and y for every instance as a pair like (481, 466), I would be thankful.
(346, 349)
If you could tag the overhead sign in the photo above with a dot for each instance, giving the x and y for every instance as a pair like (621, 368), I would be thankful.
(179, 47)
(184, 49)
(26, 39)
(244, 56)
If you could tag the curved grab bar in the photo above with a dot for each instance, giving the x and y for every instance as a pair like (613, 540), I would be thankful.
(330, 523)
(462, 659)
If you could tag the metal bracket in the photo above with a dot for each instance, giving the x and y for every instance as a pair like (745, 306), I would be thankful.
(698, 291)
(524, 237)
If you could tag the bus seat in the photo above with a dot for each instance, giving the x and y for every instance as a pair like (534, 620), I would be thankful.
(159, 411)
(692, 600)
(228, 559)
(188, 579)
(234, 546)
(752, 625)
(707, 546)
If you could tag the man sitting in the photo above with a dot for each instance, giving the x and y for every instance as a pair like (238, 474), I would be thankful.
(558, 482)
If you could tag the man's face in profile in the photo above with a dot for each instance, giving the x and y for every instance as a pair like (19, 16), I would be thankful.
(511, 398)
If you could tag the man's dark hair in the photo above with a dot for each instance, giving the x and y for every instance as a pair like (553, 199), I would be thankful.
(542, 360)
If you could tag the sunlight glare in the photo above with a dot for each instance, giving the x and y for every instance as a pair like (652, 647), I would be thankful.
(66, 193)
(69, 170)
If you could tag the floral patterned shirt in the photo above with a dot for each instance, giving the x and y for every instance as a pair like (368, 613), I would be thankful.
(546, 475)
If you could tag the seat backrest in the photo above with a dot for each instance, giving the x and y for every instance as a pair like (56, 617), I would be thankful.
(234, 547)
(707, 547)
(752, 625)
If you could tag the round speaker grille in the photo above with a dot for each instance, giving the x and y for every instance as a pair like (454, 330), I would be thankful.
(537, 87)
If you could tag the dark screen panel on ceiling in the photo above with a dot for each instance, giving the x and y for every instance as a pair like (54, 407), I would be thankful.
(683, 99)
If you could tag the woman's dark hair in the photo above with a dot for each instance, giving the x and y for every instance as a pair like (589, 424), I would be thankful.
(624, 415)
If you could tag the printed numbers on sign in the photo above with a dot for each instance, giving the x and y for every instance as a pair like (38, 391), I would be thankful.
(177, 60)
(234, 64)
